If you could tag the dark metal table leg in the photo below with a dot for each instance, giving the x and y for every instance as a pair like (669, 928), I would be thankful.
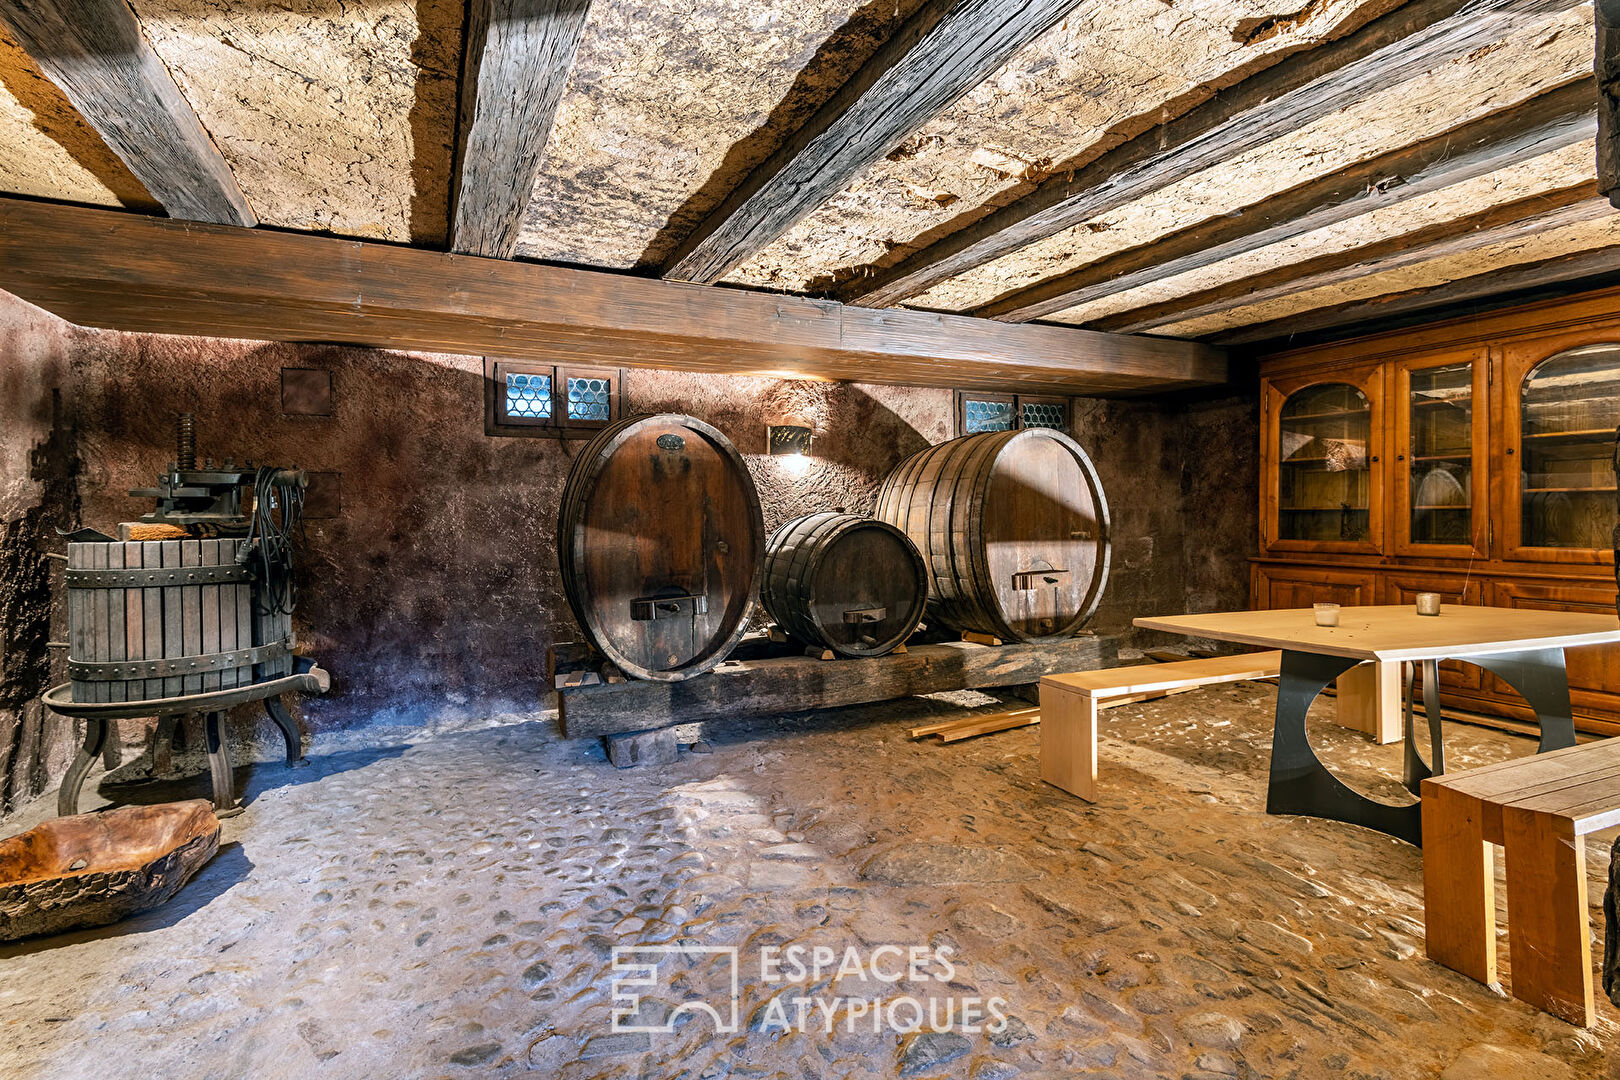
(219, 765)
(67, 796)
(1539, 676)
(1414, 770)
(289, 731)
(1300, 783)
(1431, 711)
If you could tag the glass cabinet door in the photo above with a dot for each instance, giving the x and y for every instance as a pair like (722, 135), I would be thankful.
(1438, 438)
(1324, 477)
(1568, 407)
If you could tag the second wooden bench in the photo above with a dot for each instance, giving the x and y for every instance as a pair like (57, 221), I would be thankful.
(1069, 705)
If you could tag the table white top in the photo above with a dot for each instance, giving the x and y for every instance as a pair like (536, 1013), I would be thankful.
(1398, 632)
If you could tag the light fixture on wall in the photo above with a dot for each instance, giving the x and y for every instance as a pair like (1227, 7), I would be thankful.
(790, 443)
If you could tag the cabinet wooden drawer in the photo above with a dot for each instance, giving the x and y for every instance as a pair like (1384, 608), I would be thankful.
(1402, 587)
(1301, 586)
(1594, 671)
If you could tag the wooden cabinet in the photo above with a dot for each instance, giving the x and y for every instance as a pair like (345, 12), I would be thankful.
(1473, 458)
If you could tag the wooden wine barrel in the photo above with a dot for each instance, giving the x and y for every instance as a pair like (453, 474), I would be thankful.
(165, 618)
(659, 542)
(846, 583)
(1013, 528)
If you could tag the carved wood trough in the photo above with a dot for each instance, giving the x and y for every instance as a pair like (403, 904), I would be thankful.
(94, 869)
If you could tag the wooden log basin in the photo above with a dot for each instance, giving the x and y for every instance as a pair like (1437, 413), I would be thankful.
(790, 684)
(94, 869)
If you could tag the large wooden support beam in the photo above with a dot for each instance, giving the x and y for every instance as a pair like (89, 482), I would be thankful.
(128, 272)
(1376, 313)
(1415, 38)
(945, 49)
(95, 52)
(518, 55)
(1516, 220)
(793, 684)
(1606, 65)
(1525, 130)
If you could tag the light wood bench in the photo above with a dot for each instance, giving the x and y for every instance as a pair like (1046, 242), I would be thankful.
(1539, 809)
(1069, 705)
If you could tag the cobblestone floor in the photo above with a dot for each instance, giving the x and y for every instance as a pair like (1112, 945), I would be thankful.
(450, 909)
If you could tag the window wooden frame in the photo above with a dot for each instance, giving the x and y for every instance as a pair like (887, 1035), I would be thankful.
(1017, 402)
(558, 425)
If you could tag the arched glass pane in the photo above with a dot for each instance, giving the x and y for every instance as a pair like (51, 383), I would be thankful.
(1324, 476)
(1568, 412)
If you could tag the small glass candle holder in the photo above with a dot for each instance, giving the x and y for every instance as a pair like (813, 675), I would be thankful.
(1428, 603)
(1327, 614)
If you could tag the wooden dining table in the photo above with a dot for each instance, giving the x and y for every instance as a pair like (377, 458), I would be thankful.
(1523, 647)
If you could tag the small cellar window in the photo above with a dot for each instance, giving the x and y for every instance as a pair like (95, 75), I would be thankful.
(522, 398)
(976, 412)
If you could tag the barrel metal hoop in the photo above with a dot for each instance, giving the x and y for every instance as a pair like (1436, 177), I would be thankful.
(157, 579)
(112, 670)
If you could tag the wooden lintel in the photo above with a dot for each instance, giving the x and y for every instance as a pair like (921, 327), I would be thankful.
(95, 52)
(945, 49)
(129, 272)
(1517, 133)
(1517, 220)
(518, 55)
(1376, 313)
(1409, 41)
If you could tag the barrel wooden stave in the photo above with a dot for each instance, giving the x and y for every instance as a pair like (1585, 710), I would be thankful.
(992, 513)
(822, 568)
(658, 510)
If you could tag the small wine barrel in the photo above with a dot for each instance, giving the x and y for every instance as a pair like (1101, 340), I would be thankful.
(166, 618)
(659, 542)
(1013, 528)
(846, 583)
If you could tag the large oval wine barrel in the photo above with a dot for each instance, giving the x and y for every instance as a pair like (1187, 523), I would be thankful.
(659, 541)
(1013, 528)
(846, 583)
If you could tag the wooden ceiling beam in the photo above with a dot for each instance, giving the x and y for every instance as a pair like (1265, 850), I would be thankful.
(1524, 130)
(945, 49)
(1494, 225)
(1299, 90)
(518, 55)
(127, 272)
(1377, 313)
(95, 52)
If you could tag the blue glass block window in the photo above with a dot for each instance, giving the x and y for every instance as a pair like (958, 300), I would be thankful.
(528, 396)
(587, 399)
(988, 415)
(1044, 414)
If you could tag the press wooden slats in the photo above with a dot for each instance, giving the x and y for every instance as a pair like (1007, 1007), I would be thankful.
(659, 542)
(152, 617)
(1013, 528)
(78, 619)
(847, 583)
(225, 600)
(244, 624)
(173, 629)
(191, 614)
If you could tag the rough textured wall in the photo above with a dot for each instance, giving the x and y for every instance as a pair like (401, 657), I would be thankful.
(433, 594)
(37, 492)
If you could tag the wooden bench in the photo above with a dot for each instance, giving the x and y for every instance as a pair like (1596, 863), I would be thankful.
(1539, 809)
(1069, 705)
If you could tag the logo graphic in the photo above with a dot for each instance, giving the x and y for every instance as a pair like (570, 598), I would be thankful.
(654, 984)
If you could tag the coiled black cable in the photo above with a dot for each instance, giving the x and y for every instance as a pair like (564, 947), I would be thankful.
(277, 511)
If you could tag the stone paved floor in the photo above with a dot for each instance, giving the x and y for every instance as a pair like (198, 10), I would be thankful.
(450, 909)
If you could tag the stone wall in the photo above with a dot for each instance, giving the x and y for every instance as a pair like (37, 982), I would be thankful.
(432, 593)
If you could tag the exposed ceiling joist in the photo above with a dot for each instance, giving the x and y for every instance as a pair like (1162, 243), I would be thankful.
(1415, 38)
(95, 52)
(941, 52)
(1525, 130)
(128, 272)
(518, 55)
(1377, 313)
(1496, 225)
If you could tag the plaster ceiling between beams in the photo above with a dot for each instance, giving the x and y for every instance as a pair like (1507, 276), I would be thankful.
(1103, 75)
(48, 149)
(1549, 54)
(1550, 172)
(334, 117)
(671, 104)
(1585, 236)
